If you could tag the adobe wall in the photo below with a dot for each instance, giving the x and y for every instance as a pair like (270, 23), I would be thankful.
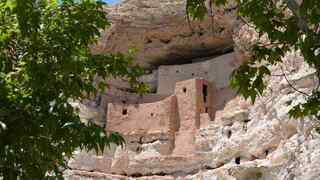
(118, 91)
(206, 97)
(129, 114)
(192, 102)
(195, 99)
(189, 113)
(217, 71)
(145, 118)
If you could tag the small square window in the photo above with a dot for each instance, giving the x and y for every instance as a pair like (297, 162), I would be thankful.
(184, 90)
(124, 112)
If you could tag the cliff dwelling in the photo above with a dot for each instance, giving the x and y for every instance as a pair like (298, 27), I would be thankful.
(189, 107)
(192, 125)
(186, 99)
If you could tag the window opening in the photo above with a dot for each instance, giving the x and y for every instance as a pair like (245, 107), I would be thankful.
(205, 92)
(229, 133)
(237, 160)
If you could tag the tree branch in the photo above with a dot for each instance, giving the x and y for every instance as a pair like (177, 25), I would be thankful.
(294, 88)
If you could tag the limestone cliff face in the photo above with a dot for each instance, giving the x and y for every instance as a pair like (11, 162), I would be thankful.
(194, 127)
(161, 34)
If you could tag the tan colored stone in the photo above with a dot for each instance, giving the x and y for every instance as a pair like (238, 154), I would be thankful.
(145, 118)
(268, 146)
(160, 32)
(235, 140)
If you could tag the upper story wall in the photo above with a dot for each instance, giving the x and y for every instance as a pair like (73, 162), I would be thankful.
(180, 111)
(194, 96)
(118, 91)
(217, 70)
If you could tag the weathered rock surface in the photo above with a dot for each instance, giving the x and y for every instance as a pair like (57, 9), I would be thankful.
(161, 34)
(243, 141)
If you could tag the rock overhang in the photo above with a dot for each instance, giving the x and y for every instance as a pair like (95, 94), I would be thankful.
(160, 33)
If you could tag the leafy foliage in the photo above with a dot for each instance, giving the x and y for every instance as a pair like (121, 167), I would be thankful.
(45, 63)
(288, 26)
(196, 9)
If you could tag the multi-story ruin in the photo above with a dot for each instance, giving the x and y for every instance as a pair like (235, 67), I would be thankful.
(192, 125)
(168, 120)
(191, 106)
(187, 97)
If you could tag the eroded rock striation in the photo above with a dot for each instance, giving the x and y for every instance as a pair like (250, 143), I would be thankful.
(161, 34)
(193, 126)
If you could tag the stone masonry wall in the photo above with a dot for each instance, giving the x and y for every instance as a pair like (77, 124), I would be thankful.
(244, 141)
(215, 70)
(147, 118)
